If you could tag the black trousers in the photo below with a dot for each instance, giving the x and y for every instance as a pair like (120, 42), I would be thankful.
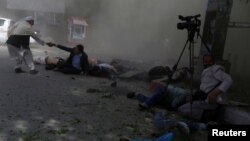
(68, 69)
(200, 95)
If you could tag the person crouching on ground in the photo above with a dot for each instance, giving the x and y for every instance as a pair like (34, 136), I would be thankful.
(76, 63)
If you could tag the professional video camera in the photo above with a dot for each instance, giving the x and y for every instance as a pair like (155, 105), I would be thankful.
(191, 22)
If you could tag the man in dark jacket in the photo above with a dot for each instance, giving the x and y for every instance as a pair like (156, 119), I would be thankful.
(76, 63)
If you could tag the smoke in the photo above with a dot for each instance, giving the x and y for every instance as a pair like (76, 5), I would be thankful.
(37, 5)
(142, 30)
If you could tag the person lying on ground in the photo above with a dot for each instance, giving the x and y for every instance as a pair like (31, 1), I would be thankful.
(214, 82)
(96, 67)
(187, 127)
(166, 129)
(165, 137)
(76, 63)
(167, 96)
(51, 63)
(103, 70)
(165, 71)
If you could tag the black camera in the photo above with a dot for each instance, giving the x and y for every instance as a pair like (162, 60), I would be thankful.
(191, 22)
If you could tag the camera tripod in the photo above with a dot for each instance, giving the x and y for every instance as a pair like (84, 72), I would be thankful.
(194, 30)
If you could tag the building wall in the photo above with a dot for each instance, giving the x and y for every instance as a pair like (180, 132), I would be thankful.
(37, 5)
(237, 46)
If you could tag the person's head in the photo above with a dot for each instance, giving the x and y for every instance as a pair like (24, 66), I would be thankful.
(208, 60)
(30, 20)
(78, 49)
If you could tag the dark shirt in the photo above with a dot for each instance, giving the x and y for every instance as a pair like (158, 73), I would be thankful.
(19, 41)
(76, 61)
(84, 63)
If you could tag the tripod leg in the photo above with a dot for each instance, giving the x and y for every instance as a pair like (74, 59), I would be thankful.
(192, 74)
(176, 65)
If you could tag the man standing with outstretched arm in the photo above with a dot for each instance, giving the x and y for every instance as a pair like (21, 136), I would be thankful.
(18, 44)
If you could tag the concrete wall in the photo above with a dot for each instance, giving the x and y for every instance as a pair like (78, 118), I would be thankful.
(238, 42)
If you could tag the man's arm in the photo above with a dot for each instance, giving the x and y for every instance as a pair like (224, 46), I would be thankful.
(50, 44)
(212, 96)
(68, 49)
(31, 32)
(224, 78)
(37, 39)
(226, 82)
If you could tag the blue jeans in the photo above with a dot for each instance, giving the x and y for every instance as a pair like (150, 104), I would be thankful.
(165, 137)
(160, 123)
(153, 100)
(170, 97)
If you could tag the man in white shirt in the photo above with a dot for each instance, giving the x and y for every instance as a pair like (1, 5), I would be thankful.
(18, 44)
(214, 80)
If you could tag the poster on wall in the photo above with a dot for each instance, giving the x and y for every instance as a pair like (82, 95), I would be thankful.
(77, 30)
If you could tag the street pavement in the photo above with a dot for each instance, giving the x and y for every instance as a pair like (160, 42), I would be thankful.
(51, 106)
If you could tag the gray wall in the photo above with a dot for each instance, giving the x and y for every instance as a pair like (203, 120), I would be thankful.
(238, 42)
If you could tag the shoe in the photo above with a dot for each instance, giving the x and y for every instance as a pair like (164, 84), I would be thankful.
(131, 95)
(19, 70)
(113, 84)
(143, 106)
(183, 127)
(34, 72)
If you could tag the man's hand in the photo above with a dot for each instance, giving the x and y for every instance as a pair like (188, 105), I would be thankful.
(50, 44)
(212, 97)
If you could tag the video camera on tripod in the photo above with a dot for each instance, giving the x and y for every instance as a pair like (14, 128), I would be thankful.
(191, 22)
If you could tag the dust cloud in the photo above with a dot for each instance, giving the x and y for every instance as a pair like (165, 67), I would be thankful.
(142, 30)
(138, 30)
